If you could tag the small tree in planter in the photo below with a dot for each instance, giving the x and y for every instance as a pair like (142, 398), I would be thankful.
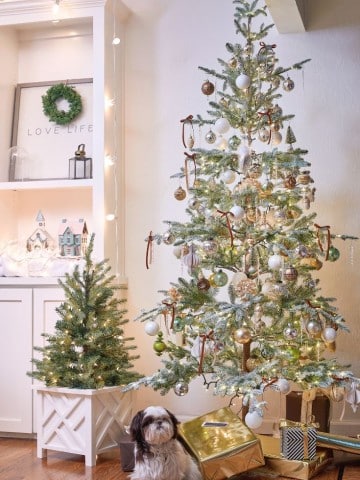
(87, 351)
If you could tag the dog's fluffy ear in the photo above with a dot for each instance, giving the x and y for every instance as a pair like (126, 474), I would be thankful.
(135, 426)
(175, 422)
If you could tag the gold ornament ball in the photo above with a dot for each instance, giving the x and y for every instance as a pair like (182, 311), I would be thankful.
(180, 194)
(203, 284)
(242, 335)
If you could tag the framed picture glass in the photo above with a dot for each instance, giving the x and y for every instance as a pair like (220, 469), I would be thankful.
(40, 148)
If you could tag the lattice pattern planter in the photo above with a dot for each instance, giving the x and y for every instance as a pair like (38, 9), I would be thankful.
(84, 422)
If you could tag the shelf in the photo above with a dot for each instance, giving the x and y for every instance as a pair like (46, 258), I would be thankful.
(46, 184)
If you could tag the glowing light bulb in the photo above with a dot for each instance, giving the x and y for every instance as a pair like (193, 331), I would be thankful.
(109, 160)
(110, 217)
(116, 41)
(109, 102)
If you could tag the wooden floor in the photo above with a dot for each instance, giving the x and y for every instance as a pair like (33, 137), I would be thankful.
(18, 461)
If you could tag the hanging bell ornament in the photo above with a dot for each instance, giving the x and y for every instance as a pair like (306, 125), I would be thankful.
(210, 137)
(288, 84)
(181, 388)
(180, 194)
(207, 88)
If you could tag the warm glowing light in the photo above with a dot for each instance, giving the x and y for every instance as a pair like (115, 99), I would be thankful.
(116, 41)
(109, 160)
(110, 217)
(109, 102)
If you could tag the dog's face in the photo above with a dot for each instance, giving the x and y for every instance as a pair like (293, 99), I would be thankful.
(153, 426)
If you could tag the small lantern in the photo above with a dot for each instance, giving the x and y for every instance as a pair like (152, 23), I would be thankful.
(80, 166)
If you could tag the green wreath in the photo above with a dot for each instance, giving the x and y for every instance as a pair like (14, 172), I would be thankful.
(54, 93)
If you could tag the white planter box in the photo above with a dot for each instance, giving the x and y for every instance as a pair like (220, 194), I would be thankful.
(84, 422)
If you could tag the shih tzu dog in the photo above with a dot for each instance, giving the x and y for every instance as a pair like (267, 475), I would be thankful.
(158, 453)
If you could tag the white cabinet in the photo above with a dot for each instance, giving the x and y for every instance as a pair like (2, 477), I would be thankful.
(34, 49)
(25, 313)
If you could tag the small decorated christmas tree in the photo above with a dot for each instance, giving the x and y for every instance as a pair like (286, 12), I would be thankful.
(249, 314)
(88, 348)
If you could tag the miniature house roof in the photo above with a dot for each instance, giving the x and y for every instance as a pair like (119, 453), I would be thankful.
(76, 227)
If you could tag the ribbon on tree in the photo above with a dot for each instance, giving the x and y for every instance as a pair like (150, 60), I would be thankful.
(328, 238)
(227, 214)
(184, 121)
(149, 250)
(189, 158)
(204, 337)
(171, 307)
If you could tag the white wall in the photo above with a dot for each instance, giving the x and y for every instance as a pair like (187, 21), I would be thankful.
(164, 48)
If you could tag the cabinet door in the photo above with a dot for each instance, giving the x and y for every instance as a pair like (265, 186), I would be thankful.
(15, 356)
(45, 317)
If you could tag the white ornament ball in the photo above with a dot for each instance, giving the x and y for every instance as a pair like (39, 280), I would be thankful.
(253, 420)
(329, 334)
(222, 125)
(275, 262)
(177, 251)
(283, 385)
(242, 81)
(228, 176)
(237, 212)
(151, 327)
(244, 152)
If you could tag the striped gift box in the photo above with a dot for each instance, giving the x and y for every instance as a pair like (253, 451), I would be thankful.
(298, 440)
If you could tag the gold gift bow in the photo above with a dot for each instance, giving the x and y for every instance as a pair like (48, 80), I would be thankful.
(304, 427)
(307, 398)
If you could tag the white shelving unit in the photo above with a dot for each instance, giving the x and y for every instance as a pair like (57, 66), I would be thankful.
(33, 49)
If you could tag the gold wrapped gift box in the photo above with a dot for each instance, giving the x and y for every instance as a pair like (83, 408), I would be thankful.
(298, 469)
(222, 444)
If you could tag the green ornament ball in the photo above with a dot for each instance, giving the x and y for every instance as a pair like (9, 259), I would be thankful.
(220, 278)
(178, 324)
(334, 254)
(159, 345)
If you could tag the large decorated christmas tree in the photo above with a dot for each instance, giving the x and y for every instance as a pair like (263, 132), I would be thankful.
(249, 314)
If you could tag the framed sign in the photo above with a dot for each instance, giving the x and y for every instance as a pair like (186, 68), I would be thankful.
(40, 148)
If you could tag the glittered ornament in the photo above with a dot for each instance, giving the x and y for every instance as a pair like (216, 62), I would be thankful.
(242, 81)
(210, 137)
(222, 125)
(190, 142)
(181, 388)
(253, 420)
(207, 88)
(159, 345)
(220, 278)
(288, 84)
(334, 254)
(242, 335)
(232, 62)
(180, 194)
(151, 327)
(245, 287)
